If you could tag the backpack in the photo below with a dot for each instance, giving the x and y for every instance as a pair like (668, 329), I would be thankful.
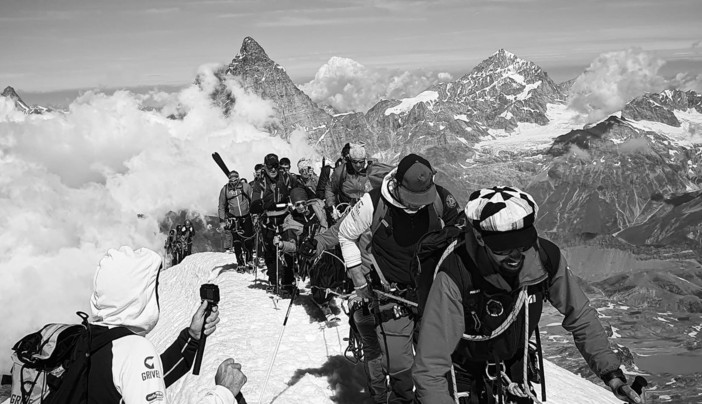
(242, 206)
(51, 366)
(489, 337)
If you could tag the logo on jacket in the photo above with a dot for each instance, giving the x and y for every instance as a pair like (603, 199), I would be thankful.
(155, 396)
(149, 362)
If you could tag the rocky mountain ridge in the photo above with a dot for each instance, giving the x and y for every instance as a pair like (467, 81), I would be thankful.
(10, 93)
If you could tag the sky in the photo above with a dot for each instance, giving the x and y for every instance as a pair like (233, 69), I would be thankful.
(77, 44)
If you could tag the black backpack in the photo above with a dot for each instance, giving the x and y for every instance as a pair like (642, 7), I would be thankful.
(51, 366)
(433, 248)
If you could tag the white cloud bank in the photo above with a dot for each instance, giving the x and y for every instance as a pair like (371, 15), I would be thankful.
(615, 78)
(72, 185)
(348, 85)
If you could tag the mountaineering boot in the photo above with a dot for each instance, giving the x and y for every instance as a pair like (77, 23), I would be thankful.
(377, 382)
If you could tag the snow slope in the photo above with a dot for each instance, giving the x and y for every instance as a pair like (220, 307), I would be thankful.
(309, 367)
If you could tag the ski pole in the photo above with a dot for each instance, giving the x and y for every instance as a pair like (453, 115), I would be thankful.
(277, 346)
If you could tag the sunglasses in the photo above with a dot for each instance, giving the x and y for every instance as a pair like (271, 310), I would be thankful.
(521, 250)
(271, 168)
(302, 203)
(362, 161)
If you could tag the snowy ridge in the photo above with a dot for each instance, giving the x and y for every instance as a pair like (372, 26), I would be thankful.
(308, 367)
(406, 104)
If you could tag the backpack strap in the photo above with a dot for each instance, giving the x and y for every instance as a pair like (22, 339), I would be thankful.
(108, 336)
(380, 211)
(550, 256)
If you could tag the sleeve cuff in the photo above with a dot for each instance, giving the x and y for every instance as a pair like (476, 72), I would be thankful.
(615, 374)
(224, 394)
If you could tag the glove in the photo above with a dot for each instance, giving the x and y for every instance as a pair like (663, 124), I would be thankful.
(308, 249)
(277, 241)
(623, 391)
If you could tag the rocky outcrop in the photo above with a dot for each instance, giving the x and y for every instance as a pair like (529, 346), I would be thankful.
(661, 107)
(676, 221)
(601, 179)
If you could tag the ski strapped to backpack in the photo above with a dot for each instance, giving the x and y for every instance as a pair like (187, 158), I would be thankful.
(51, 366)
(448, 241)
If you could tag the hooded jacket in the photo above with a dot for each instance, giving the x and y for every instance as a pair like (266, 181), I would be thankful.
(443, 323)
(129, 370)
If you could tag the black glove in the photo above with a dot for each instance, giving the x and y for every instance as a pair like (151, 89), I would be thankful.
(308, 249)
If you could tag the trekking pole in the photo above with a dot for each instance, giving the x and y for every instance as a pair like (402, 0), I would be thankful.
(277, 262)
(277, 346)
(255, 253)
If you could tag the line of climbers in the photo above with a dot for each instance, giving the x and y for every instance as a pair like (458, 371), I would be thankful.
(444, 302)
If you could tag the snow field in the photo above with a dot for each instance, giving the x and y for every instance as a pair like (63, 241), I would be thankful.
(308, 367)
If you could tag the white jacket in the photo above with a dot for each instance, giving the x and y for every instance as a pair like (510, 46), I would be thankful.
(125, 295)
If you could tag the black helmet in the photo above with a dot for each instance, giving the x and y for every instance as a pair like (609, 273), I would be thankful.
(271, 160)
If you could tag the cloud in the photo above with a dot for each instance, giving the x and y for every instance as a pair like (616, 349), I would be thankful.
(612, 80)
(348, 85)
(103, 174)
(687, 82)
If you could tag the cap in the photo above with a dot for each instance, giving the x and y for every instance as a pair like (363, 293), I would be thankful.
(504, 216)
(285, 162)
(234, 174)
(415, 179)
(271, 160)
(357, 151)
(297, 195)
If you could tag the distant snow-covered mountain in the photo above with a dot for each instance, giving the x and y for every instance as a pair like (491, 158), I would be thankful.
(507, 122)
(10, 93)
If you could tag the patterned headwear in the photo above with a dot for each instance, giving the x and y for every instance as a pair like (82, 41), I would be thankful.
(304, 164)
(504, 216)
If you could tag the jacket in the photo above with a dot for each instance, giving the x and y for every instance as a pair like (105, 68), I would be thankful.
(293, 227)
(443, 323)
(235, 200)
(344, 186)
(276, 193)
(355, 230)
(129, 370)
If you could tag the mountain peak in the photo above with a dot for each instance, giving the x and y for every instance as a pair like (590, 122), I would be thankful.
(10, 92)
(251, 50)
(504, 54)
(504, 59)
